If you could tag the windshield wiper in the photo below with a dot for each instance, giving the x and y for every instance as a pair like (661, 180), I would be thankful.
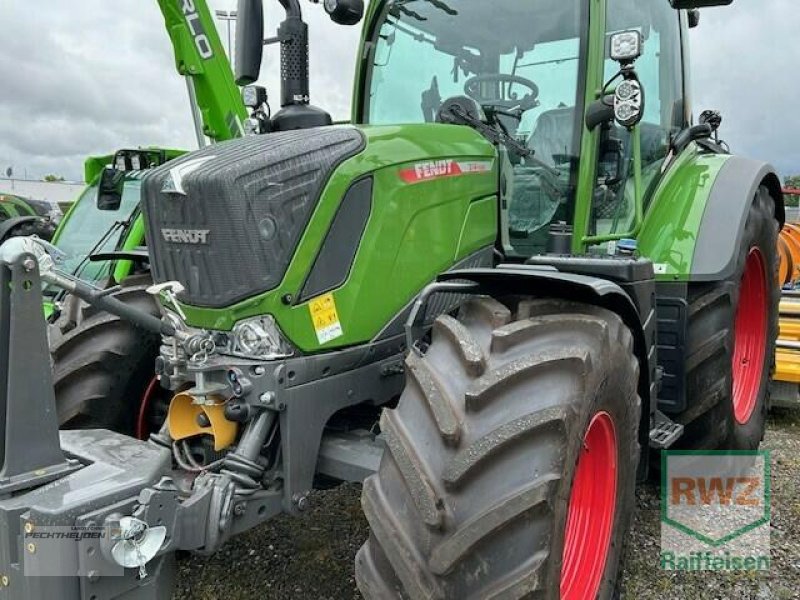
(115, 226)
(442, 6)
(494, 134)
(410, 13)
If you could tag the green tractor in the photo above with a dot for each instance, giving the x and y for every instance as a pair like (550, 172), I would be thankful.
(26, 216)
(518, 274)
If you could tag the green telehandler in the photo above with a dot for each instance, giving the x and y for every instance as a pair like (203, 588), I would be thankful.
(520, 273)
(218, 114)
(102, 238)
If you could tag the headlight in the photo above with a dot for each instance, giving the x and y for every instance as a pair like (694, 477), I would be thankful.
(259, 338)
(254, 96)
(626, 46)
(628, 103)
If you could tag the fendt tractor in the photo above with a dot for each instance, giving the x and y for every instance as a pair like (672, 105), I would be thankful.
(26, 216)
(518, 274)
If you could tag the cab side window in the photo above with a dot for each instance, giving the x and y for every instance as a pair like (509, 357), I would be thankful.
(661, 74)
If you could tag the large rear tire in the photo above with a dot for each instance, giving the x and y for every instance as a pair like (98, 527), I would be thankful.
(103, 365)
(733, 325)
(511, 459)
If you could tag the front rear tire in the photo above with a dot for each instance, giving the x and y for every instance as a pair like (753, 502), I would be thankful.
(511, 459)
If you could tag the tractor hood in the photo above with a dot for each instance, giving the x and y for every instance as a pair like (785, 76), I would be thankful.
(225, 221)
(366, 215)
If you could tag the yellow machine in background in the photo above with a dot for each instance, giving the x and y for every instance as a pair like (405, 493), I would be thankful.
(786, 383)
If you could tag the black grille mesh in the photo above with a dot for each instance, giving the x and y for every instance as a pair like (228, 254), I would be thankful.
(254, 196)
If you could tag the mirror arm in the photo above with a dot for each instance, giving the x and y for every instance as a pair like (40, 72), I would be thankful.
(689, 135)
(292, 8)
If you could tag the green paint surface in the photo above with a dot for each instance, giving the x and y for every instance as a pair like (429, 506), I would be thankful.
(415, 231)
(669, 231)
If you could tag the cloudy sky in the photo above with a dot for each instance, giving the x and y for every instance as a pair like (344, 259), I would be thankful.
(78, 78)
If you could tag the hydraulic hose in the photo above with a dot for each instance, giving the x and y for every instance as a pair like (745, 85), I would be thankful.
(240, 465)
(101, 299)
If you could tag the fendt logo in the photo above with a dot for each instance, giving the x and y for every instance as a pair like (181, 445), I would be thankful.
(201, 40)
(433, 169)
(186, 236)
(437, 169)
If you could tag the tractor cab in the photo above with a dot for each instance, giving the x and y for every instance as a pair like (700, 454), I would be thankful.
(536, 83)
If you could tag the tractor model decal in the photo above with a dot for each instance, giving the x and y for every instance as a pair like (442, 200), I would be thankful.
(438, 169)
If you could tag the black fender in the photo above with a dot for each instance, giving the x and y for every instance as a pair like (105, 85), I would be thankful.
(726, 211)
(529, 280)
(8, 226)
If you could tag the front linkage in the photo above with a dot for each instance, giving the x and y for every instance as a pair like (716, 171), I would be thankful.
(113, 510)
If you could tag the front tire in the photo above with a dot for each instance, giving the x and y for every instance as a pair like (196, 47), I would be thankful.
(511, 459)
(103, 365)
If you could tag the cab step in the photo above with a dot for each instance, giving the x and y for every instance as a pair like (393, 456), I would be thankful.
(665, 433)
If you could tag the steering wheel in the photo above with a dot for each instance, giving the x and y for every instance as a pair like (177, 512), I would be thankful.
(507, 99)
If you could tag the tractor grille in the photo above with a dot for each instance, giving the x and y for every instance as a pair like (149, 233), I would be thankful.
(225, 221)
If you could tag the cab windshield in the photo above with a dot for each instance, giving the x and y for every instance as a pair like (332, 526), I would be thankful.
(90, 230)
(521, 60)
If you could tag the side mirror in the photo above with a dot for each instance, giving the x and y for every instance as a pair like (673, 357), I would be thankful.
(690, 4)
(600, 111)
(109, 192)
(249, 40)
(694, 18)
(345, 12)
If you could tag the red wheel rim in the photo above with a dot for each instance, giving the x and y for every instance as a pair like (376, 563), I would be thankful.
(590, 515)
(750, 337)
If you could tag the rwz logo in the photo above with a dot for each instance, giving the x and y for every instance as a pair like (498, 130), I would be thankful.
(201, 40)
(186, 236)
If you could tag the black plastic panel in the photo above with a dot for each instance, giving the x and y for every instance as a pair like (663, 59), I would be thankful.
(616, 268)
(722, 227)
(335, 259)
(225, 221)
(672, 322)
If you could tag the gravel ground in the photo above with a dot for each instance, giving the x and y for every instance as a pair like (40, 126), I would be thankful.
(312, 557)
